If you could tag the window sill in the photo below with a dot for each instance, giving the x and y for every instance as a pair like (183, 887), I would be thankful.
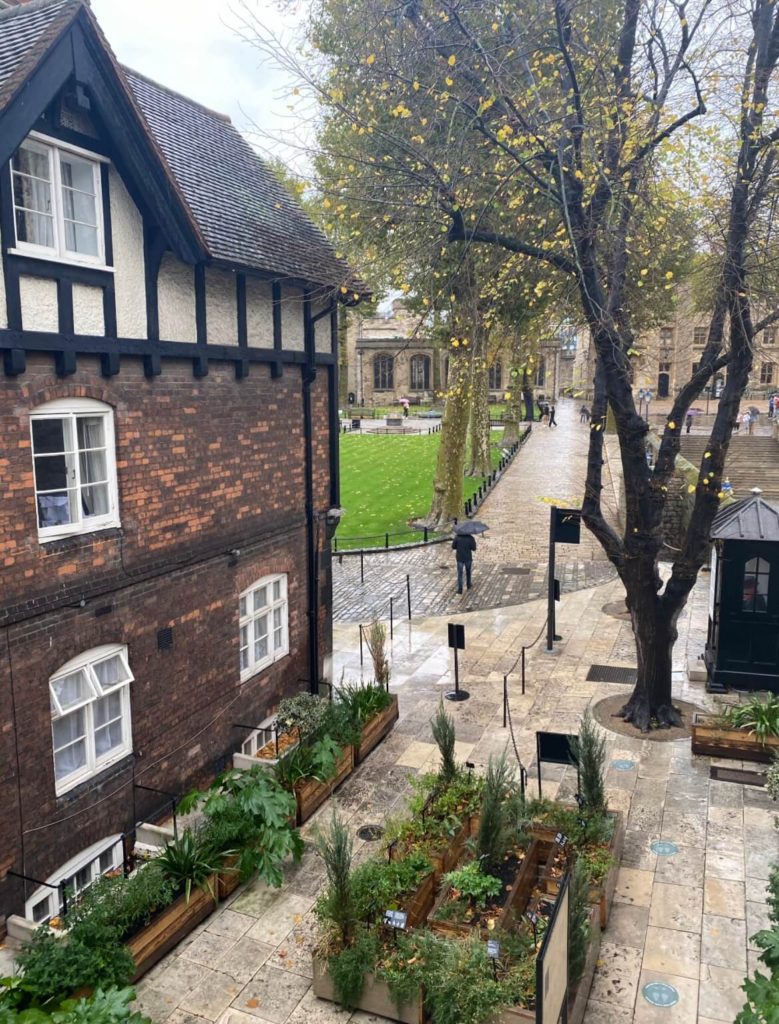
(65, 533)
(65, 261)
(255, 670)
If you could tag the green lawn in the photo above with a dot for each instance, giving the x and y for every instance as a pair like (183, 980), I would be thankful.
(386, 482)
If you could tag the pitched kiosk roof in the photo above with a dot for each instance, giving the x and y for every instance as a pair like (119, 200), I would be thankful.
(749, 519)
(243, 214)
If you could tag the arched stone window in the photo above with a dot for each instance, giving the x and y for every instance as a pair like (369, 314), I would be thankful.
(420, 373)
(541, 373)
(383, 373)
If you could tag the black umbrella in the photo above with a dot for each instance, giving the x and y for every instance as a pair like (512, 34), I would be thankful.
(754, 410)
(471, 527)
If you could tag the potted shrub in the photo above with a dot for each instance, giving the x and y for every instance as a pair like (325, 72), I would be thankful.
(110, 1005)
(296, 718)
(748, 731)
(249, 826)
(373, 709)
(312, 771)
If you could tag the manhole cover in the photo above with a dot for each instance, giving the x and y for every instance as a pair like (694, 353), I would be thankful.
(617, 610)
(663, 848)
(612, 674)
(622, 764)
(658, 993)
(515, 570)
(370, 833)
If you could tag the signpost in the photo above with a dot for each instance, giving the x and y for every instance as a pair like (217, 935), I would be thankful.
(564, 528)
(457, 643)
(555, 748)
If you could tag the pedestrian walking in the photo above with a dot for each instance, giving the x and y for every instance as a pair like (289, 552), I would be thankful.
(688, 423)
(746, 421)
(552, 420)
(771, 407)
(545, 413)
(753, 420)
(584, 414)
(464, 546)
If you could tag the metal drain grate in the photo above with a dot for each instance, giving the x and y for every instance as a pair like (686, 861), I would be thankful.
(370, 833)
(518, 570)
(612, 674)
(741, 775)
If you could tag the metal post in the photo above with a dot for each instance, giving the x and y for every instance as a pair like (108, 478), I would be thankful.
(64, 898)
(505, 699)
(408, 594)
(425, 535)
(386, 540)
(362, 566)
(391, 619)
(550, 623)
(335, 545)
(361, 656)
(523, 671)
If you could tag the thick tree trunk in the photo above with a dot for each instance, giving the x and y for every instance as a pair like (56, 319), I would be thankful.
(448, 484)
(527, 396)
(512, 417)
(479, 464)
(655, 633)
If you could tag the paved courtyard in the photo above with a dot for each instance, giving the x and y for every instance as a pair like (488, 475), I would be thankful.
(684, 919)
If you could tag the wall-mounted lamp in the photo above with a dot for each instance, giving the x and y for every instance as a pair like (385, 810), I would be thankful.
(233, 555)
(333, 516)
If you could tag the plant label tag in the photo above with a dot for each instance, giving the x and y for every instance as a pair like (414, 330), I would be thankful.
(532, 917)
(493, 948)
(561, 839)
(395, 918)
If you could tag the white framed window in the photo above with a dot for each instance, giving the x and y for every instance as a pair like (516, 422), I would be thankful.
(58, 209)
(90, 714)
(78, 874)
(264, 624)
(74, 459)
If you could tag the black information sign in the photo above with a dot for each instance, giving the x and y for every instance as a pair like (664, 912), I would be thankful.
(567, 525)
(554, 748)
(457, 636)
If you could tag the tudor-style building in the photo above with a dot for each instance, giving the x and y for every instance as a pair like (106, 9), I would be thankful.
(168, 471)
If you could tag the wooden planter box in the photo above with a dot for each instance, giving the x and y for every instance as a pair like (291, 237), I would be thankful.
(419, 905)
(526, 880)
(227, 881)
(311, 794)
(603, 894)
(715, 741)
(374, 731)
(168, 928)
(375, 998)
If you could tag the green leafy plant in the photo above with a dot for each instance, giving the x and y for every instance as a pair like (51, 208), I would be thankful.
(590, 750)
(760, 718)
(379, 884)
(91, 955)
(335, 849)
(105, 1006)
(317, 760)
(250, 813)
(762, 989)
(189, 861)
(363, 702)
(349, 966)
(596, 862)
(442, 728)
(303, 712)
(472, 884)
(126, 904)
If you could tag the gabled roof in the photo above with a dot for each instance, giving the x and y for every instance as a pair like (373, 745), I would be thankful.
(749, 519)
(239, 211)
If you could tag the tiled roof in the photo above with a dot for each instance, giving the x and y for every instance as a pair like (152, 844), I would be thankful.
(748, 519)
(243, 213)
(25, 33)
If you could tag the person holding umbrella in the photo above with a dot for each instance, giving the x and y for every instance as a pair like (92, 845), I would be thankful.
(464, 546)
(404, 403)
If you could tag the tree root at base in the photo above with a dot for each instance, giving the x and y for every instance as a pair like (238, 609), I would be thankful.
(644, 715)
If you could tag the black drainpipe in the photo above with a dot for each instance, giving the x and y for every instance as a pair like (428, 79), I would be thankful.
(312, 526)
(309, 376)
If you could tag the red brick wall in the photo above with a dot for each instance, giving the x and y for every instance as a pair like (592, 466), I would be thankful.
(204, 466)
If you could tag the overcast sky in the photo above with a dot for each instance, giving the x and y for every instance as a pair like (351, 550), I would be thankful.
(193, 46)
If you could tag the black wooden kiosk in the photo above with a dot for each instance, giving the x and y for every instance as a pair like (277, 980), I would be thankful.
(742, 648)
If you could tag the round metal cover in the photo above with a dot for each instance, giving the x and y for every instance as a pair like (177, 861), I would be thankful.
(664, 848)
(370, 833)
(622, 764)
(659, 993)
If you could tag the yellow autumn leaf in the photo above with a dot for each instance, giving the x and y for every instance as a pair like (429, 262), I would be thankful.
(452, 61)
(371, 59)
